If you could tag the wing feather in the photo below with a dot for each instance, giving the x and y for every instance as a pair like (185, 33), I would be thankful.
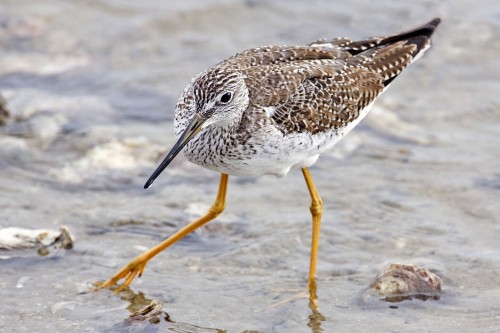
(325, 85)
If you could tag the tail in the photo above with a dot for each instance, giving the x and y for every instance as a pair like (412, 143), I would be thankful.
(419, 36)
(387, 56)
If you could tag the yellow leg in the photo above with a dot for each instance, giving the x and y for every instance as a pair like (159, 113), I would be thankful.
(137, 265)
(316, 211)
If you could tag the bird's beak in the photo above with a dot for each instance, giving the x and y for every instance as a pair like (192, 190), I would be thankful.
(194, 127)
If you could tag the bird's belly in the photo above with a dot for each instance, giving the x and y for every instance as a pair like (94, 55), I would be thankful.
(275, 156)
(268, 152)
(244, 166)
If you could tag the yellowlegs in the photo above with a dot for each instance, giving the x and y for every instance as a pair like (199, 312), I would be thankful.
(268, 109)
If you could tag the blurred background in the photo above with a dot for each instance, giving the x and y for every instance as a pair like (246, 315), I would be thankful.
(88, 93)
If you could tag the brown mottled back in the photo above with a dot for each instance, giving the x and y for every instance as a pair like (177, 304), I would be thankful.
(325, 85)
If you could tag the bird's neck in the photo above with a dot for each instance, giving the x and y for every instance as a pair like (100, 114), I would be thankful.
(228, 125)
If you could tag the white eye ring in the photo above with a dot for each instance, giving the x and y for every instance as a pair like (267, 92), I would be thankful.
(226, 97)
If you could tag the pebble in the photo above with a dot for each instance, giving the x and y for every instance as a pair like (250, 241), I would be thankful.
(399, 282)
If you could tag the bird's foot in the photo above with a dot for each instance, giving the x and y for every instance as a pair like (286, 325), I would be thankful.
(128, 272)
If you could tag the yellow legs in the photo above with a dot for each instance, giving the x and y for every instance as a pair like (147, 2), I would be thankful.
(316, 211)
(137, 265)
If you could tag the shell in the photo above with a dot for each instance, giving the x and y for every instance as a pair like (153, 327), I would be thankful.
(400, 282)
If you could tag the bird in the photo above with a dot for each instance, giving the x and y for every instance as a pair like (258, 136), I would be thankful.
(268, 109)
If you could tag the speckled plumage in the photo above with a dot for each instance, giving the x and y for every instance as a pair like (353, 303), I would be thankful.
(268, 109)
(289, 103)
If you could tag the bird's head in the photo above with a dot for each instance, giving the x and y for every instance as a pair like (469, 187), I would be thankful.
(216, 97)
(219, 96)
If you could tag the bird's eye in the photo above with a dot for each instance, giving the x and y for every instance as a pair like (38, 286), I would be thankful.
(226, 98)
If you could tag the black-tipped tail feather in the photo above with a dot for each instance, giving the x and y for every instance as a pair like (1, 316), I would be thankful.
(388, 56)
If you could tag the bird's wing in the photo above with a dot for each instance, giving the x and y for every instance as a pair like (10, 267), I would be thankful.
(327, 103)
(272, 55)
(325, 85)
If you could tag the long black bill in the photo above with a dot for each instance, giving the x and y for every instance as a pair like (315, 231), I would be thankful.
(193, 128)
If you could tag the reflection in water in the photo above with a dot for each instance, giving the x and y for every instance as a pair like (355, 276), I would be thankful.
(137, 300)
(148, 315)
(316, 317)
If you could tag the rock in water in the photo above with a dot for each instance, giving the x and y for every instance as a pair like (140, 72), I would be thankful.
(152, 312)
(400, 282)
(45, 240)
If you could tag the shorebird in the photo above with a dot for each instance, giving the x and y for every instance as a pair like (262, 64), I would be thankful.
(268, 109)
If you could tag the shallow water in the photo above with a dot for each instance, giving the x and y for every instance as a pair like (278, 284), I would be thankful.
(91, 87)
